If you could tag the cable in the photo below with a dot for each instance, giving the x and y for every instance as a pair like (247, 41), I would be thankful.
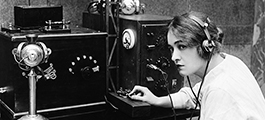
(165, 75)
(197, 100)
(198, 94)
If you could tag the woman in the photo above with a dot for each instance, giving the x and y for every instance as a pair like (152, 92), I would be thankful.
(227, 91)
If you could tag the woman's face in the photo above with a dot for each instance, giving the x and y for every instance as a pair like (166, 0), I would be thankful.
(185, 58)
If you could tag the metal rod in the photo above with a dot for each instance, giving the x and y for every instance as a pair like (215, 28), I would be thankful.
(32, 92)
(107, 43)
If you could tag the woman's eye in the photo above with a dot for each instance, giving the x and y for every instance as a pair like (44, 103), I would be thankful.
(181, 47)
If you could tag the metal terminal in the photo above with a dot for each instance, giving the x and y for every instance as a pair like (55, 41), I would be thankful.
(3, 90)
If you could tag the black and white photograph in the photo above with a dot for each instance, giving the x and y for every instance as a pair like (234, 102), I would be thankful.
(132, 60)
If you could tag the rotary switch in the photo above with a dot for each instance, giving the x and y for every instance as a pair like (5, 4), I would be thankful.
(163, 62)
(84, 65)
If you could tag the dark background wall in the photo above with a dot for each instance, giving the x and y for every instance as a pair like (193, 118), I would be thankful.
(235, 17)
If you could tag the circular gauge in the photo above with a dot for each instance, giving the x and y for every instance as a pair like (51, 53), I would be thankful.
(128, 38)
(128, 7)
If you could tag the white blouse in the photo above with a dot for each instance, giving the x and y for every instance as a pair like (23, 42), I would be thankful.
(229, 92)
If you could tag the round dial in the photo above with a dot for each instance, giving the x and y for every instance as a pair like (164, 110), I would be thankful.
(128, 38)
(84, 65)
(128, 7)
(128, 10)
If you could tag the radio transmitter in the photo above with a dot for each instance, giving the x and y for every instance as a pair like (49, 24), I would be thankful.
(144, 56)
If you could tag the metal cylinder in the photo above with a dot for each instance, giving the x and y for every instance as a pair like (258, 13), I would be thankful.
(32, 92)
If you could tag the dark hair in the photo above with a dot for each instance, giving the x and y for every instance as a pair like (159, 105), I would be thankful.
(194, 34)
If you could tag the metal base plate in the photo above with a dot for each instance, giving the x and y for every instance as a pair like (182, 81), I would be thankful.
(33, 117)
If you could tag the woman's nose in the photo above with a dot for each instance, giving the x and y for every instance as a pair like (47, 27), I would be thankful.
(175, 56)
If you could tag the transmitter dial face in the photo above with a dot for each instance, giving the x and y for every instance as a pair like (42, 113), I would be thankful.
(128, 38)
(128, 10)
(128, 7)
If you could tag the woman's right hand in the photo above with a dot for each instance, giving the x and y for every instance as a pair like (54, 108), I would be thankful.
(143, 94)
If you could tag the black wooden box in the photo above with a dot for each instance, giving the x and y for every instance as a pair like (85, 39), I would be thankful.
(31, 17)
(74, 91)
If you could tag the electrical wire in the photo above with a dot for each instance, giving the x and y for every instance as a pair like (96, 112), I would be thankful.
(198, 94)
(20, 64)
(197, 100)
(165, 76)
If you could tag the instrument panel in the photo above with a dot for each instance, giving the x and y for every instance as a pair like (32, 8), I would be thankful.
(146, 60)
